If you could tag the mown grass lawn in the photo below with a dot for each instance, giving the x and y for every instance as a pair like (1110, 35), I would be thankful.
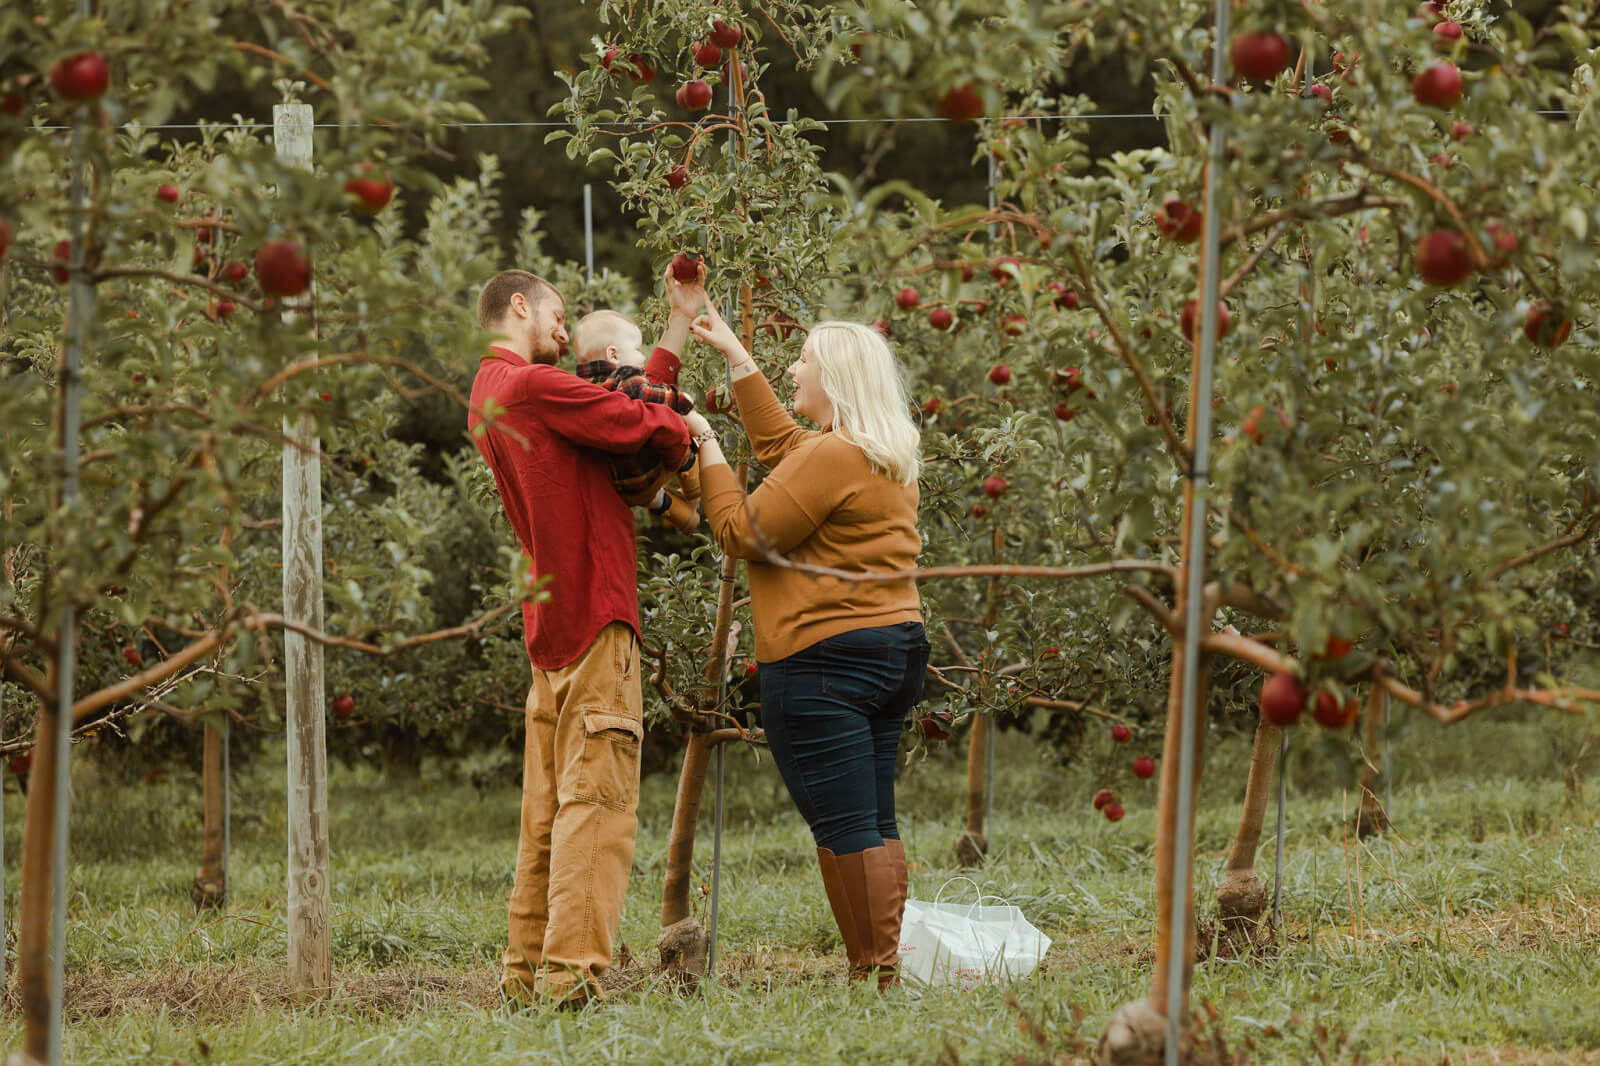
(1471, 934)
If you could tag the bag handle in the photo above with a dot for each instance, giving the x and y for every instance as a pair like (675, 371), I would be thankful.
(940, 894)
(979, 903)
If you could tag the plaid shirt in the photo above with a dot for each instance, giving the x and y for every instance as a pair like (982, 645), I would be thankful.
(633, 474)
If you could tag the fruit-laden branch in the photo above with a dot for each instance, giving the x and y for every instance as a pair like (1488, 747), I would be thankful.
(1163, 416)
(248, 618)
(1236, 645)
(192, 280)
(1479, 259)
(1332, 207)
(1255, 257)
(306, 366)
(1073, 705)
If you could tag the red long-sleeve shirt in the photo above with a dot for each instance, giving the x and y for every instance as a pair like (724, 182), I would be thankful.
(556, 490)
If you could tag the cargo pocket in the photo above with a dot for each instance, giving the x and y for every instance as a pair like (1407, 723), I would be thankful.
(609, 773)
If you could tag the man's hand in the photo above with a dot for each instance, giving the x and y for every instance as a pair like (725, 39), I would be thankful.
(686, 298)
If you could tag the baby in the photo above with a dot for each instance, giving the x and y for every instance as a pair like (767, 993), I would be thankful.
(610, 353)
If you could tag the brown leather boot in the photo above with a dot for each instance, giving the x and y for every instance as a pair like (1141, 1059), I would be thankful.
(839, 900)
(872, 888)
(897, 857)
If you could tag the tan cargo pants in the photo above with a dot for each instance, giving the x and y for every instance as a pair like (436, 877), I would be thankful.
(580, 796)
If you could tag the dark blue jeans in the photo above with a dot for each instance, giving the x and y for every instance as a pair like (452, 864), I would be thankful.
(833, 715)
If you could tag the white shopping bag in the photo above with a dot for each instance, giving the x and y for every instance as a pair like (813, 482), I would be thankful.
(964, 944)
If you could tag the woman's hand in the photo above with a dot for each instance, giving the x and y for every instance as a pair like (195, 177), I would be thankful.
(710, 329)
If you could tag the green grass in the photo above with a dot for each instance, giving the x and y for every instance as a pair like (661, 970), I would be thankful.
(1474, 929)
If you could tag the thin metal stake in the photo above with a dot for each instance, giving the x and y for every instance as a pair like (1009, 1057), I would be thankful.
(1194, 593)
(1383, 765)
(1283, 802)
(716, 862)
(588, 229)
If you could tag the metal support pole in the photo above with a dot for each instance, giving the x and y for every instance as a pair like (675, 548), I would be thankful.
(1194, 592)
(1383, 764)
(988, 753)
(80, 311)
(1283, 802)
(588, 229)
(716, 859)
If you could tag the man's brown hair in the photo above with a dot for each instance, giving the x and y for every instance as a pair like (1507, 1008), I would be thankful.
(496, 296)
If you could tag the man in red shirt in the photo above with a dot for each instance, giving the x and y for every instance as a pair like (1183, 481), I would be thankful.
(547, 435)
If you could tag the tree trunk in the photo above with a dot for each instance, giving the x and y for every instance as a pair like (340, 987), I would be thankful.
(33, 903)
(210, 884)
(1241, 897)
(972, 845)
(682, 942)
(1137, 1032)
(1371, 818)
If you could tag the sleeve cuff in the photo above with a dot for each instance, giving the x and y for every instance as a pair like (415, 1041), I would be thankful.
(662, 367)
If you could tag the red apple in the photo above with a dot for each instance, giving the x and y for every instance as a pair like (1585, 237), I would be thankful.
(1438, 86)
(1121, 733)
(1063, 412)
(1282, 699)
(1330, 715)
(235, 271)
(1179, 221)
(373, 194)
(1335, 648)
(167, 193)
(931, 406)
(1113, 811)
(979, 510)
(1461, 131)
(1446, 33)
(1544, 326)
(1144, 766)
(907, 298)
(719, 401)
(677, 177)
(132, 656)
(5, 235)
(608, 57)
(60, 262)
(1014, 325)
(642, 70)
(999, 374)
(941, 318)
(696, 95)
(933, 725)
(282, 268)
(1066, 298)
(1252, 425)
(685, 267)
(882, 326)
(1504, 241)
(1103, 797)
(1323, 93)
(726, 35)
(84, 76)
(708, 55)
(226, 308)
(1004, 269)
(22, 763)
(1259, 55)
(1070, 379)
(12, 103)
(961, 103)
(966, 271)
(1189, 320)
(344, 706)
(1443, 258)
(994, 486)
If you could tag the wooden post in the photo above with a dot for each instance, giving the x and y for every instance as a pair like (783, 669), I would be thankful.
(310, 904)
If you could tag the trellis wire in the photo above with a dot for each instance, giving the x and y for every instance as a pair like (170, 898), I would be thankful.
(1182, 878)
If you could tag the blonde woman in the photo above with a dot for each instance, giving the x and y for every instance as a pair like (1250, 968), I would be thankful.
(841, 662)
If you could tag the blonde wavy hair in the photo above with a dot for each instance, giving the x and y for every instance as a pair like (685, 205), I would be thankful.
(871, 407)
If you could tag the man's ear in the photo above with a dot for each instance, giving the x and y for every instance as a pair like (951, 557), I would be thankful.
(513, 305)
